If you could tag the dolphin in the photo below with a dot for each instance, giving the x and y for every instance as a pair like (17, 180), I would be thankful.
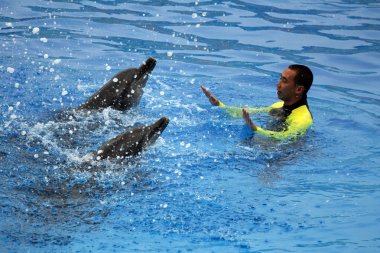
(132, 141)
(123, 91)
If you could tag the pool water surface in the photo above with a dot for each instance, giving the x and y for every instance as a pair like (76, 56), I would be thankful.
(208, 184)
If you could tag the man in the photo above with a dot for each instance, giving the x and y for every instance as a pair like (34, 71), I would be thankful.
(291, 116)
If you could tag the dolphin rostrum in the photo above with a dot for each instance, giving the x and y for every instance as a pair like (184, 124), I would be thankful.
(124, 90)
(132, 141)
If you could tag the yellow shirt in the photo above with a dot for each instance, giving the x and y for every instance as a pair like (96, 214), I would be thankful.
(297, 122)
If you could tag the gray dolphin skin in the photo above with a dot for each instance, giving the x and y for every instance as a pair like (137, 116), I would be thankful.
(132, 141)
(123, 91)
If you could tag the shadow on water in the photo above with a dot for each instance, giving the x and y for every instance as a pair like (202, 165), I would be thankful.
(50, 202)
(270, 156)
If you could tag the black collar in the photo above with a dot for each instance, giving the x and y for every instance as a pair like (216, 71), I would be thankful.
(301, 102)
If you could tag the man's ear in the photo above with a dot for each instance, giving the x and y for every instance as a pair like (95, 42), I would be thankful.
(300, 90)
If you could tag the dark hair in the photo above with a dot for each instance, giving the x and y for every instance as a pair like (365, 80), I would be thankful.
(304, 76)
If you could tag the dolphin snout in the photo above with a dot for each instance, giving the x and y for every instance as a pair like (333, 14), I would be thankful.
(161, 124)
(148, 66)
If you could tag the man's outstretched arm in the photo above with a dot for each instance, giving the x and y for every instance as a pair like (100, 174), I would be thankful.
(213, 100)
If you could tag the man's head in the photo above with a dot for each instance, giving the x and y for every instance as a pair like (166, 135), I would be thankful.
(304, 76)
(294, 83)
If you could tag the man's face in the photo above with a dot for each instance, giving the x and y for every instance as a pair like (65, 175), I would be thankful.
(286, 86)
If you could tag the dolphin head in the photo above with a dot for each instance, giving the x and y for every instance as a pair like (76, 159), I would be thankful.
(132, 141)
(155, 130)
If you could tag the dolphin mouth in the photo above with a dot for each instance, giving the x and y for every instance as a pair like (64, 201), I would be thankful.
(161, 124)
(156, 130)
(148, 66)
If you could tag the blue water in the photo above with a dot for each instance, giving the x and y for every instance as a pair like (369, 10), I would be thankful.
(207, 185)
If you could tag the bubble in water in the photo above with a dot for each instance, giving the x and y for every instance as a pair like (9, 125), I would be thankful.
(10, 70)
(108, 67)
(164, 205)
(194, 15)
(46, 56)
(23, 133)
(162, 93)
(64, 92)
(36, 156)
(169, 54)
(115, 80)
(57, 61)
(8, 24)
(17, 85)
(44, 40)
(35, 30)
